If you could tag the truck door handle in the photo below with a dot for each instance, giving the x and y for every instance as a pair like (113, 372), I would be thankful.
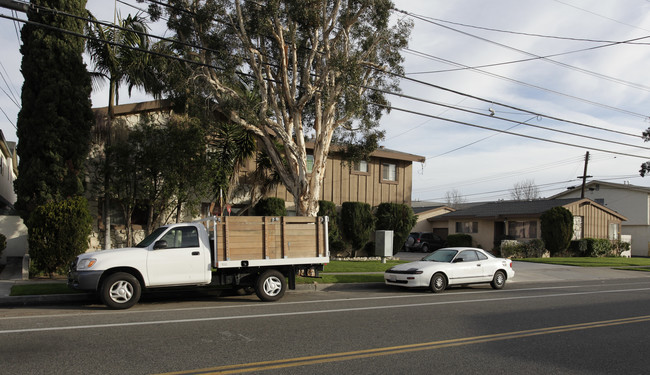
(195, 253)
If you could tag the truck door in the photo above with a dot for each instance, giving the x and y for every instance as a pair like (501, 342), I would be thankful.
(182, 261)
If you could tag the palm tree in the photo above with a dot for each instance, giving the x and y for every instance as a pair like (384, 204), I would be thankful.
(116, 53)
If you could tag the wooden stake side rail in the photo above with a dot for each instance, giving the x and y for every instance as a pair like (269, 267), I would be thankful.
(266, 237)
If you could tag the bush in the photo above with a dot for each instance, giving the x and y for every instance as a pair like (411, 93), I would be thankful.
(327, 208)
(459, 240)
(396, 217)
(357, 224)
(619, 246)
(57, 232)
(557, 229)
(271, 207)
(598, 247)
(578, 248)
(532, 249)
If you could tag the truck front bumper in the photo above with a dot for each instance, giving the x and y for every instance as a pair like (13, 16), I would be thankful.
(84, 280)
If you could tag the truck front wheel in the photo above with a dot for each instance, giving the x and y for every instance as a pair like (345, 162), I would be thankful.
(120, 290)
(270, 286)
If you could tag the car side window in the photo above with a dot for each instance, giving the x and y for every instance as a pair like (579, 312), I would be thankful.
(481, 256)
(182, 237)
(468, 256)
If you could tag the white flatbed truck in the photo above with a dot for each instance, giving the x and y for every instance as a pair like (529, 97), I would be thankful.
(259, 252)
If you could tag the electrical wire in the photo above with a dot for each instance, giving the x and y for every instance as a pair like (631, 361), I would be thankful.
(508, 132)
(585, 71)
(203, 64)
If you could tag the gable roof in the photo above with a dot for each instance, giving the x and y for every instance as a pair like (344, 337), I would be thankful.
(592, 184)
(511, 209)
(423, 209)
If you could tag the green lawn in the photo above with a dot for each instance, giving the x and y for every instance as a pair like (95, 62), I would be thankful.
(336, 266)
(593, 262)
(41, 289)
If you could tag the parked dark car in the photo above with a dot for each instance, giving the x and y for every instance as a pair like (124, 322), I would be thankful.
(423, 241)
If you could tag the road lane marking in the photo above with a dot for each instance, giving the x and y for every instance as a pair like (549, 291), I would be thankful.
(392, 350)
(258, 304)
(312, 312)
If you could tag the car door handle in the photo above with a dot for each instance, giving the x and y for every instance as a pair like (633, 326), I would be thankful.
(195, 253)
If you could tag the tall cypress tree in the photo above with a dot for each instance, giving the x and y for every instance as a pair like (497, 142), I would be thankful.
(55, 120)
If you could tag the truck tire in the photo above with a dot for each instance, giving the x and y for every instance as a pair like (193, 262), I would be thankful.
(120, 290)
(270, 286)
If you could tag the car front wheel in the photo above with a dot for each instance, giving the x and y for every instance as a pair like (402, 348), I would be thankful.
(499, 280)
(438, 283)
(120, 291)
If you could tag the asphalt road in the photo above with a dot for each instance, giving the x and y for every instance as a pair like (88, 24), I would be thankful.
(578, 327)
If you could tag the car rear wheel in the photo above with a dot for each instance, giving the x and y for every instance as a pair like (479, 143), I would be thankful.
(425, 248)
(499, 280)
(271, 286)
(438, 283)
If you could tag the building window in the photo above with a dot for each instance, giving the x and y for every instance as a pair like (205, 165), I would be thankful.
(388, 172)
(360, 167)
(522, 229)
(310, 163)
(467, 227)
(577, 228)
(613, 232)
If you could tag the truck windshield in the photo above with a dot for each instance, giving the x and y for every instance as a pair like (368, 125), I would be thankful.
(152, 237)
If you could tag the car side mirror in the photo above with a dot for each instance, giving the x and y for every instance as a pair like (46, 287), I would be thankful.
(161, 244)
(458, 260)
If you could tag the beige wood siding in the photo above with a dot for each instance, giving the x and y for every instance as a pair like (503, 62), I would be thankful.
(596, 221)
(342, 184)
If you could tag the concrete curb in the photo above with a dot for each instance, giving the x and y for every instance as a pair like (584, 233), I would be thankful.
(20, 301)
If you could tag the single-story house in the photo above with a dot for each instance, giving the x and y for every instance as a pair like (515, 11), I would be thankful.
(491, 222)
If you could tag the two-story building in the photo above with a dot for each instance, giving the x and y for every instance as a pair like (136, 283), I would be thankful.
(385, 177)
(11, 225)
(630, 200)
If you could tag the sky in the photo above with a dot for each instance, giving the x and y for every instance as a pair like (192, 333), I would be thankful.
(566, 77)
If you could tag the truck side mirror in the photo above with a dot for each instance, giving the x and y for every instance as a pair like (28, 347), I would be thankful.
(161, 244)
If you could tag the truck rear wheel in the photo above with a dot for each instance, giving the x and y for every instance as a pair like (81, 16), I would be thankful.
(120, 290)
(270, 286)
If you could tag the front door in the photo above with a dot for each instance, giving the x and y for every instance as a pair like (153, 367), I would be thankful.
(181, 262)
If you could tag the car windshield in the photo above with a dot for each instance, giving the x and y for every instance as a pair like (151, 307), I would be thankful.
(151, 238)
(442, 255)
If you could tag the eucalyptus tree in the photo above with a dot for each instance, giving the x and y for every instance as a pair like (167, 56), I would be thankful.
(292, 72)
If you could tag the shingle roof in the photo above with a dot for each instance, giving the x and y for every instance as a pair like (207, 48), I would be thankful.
(509, 208)
(417, 210)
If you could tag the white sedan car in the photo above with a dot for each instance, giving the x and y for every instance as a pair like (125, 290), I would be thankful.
(452, 266)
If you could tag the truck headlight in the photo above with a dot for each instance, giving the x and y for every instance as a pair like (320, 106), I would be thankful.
(86, 263)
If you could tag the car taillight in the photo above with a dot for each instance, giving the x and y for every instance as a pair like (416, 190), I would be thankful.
(417, 241)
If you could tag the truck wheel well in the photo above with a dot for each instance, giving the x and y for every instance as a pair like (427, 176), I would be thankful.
(129, 270)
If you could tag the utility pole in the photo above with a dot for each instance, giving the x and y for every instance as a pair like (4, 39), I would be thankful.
(584, 176)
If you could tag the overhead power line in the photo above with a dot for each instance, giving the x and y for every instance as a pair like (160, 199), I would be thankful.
(508, 132)
(574, 39)
(444, 119)
(585, 71)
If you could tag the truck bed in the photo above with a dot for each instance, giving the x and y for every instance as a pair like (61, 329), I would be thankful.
(248, 241)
